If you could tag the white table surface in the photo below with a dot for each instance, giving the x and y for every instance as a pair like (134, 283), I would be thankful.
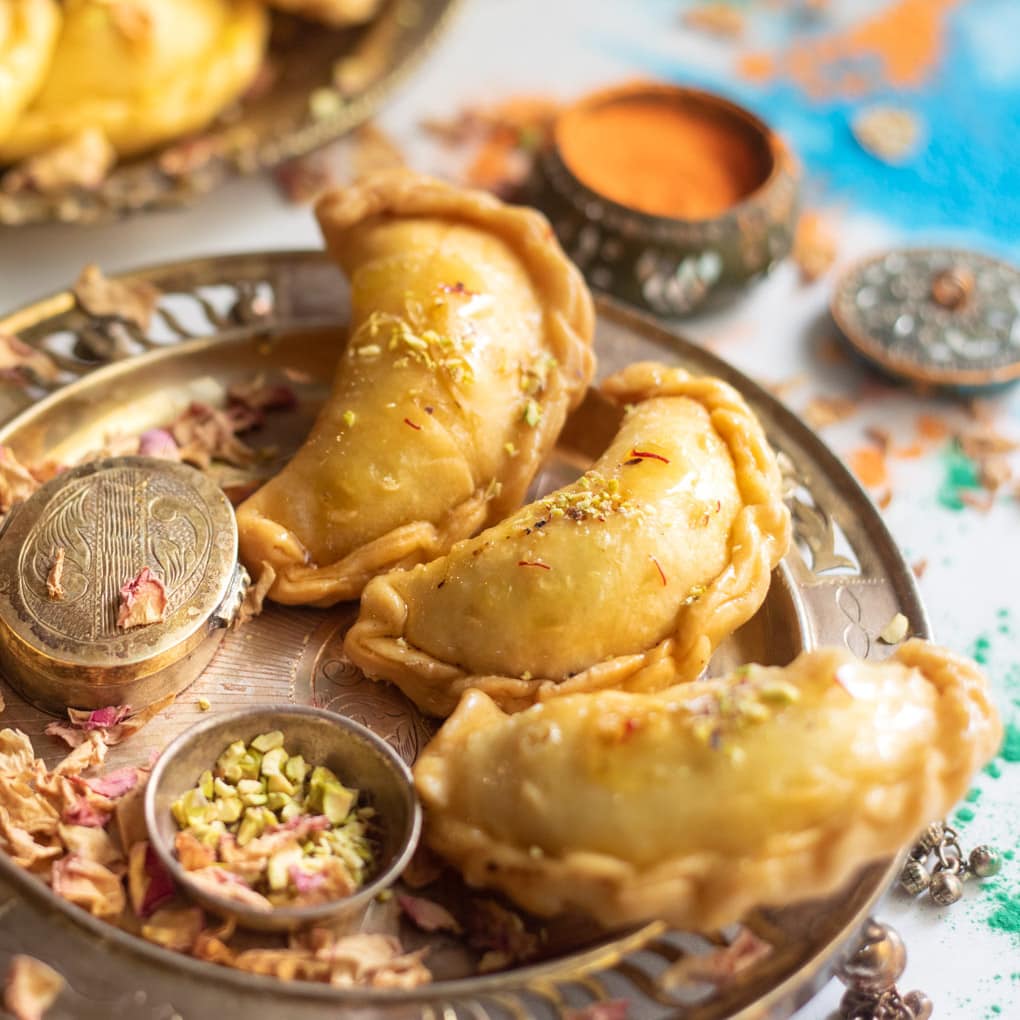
(497, 48)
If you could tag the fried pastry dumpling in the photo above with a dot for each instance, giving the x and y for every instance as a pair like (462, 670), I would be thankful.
(28, 33)
(335, 13)
(470, 339)
(141, 71)
(628, 578)
(699, 802)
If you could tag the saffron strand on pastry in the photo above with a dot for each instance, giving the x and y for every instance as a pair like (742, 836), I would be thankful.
(470, 339)
(697, 803)
(628, 578)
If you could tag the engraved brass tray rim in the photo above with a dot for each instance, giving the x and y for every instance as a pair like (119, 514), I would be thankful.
(542, 975)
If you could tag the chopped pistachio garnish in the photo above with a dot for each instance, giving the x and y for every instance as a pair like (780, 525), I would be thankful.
(291, 833)
(204, 704)
(413, 339)
(535, 375)
(594, 496)
(349, 418)
(511, 449)
(895, 630)
(532, 413)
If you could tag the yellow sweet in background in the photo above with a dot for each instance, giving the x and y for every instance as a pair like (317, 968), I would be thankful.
(141, 71)
(28, 33)
(335, 13)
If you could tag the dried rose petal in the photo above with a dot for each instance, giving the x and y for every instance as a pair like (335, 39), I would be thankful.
(17, 482)
(87, 754)
(83, 161)
(89, 885)
(84, 814)
(720, 965)
(116, 783)
(175, 928)
(98, 718)
(303, 881)
(23, 847)
(257, 395)
(254, 597)
(133, 301)
(158, 443)
(142, 600)
(20, 362)
(226, 885)
(149, 883)
(16, 753)
(371, 959)
(31, 987)
(54, 588)
(93, 845)
(67, 732)
(205, 433)
(428, 915)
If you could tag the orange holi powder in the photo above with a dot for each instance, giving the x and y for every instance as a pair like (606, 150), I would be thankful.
(868, 464)
(904, 41)
(661, 155)
(931, 428)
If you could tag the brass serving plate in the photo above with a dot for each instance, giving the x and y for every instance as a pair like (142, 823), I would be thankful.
(326, 81)
(224, 319)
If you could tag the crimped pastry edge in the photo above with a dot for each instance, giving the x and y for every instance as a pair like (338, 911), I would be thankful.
(760, 532)
(706, 891)
(568, 322)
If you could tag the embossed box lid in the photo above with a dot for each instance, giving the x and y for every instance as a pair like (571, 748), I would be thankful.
(110, 519)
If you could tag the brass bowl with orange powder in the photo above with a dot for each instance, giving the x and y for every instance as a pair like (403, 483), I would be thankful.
(665, 196)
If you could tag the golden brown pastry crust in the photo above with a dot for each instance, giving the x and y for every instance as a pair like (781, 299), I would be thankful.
(28, 34)
(335, 13)
(403, 239)
(141, 71)
(696, 804)
(637, 598)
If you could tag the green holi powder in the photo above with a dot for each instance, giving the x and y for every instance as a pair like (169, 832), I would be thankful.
(980, 649)
(973, 795)
(1011, 744)
(992, 769)
(1006, 916)
(963, 816)
(961, 473)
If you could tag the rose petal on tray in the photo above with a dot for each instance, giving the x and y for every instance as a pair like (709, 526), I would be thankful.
(31, 987)
(142, 600)
(427, 914)
(88, 884)
(133, 301)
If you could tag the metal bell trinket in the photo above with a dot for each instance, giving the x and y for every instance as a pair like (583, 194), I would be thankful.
(943, 877)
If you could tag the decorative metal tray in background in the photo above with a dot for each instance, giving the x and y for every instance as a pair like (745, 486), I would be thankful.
(223, 320)
(326, 81)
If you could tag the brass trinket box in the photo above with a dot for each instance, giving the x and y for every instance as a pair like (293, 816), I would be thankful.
(60, 643)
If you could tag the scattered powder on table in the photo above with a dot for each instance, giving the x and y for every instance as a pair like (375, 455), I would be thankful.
(961, 475)
(899, 47)
(868, 464)
(1011, 744)
(1006, 916)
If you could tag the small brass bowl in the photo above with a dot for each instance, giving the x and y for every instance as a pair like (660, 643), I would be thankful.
(354, 753)
(669, 264)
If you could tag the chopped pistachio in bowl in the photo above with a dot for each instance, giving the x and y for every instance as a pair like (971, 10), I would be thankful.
(282, 817)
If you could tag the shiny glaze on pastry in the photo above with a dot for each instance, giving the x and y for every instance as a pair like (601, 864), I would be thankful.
(28, 34)
(699, 802)
(470, 340)
(628, 578)
(141, 71)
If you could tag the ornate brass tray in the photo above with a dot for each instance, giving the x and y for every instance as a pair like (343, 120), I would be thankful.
(323, 83)
(223, 320)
